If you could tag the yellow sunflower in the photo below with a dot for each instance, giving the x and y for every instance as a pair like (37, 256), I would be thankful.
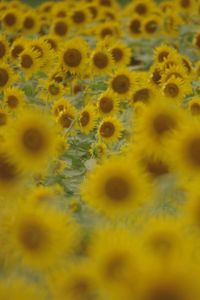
(17, 47)
(121, 54)
(194, 106)
(107, 104)
(32, 137)
(60, 27)
(29, 61)
(14, 98)
(101, 61)
(11, 20)
(87, 118)
(114, 188)
(4, 48)
(30, 23)
(110, 129)
(7, 76)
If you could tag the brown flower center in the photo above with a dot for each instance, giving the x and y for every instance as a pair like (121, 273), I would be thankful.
(66, 120)
(151, 26)
(156, 76)
(107, 129)
(26, 61)
(61, 28)
(3, 77)
(115, 266)
(162, 55)
(163, 123)
(100, 60)
(155, 167)
(141, 9)
(121, 84)
(135, 26)
(2, 49)
(142, 95)
(53, 89)
(185, 3)
(72, 57)
(85, 118)
(193, 151)
(12, 101)
(52, 43)
(16, 51)
(78, 17)
(195, 109)
(33, 140)
(171, 90)
(167, 291)
(105, 2)
(28, 23)
(10, 19)
(106, 31)
(117, 188)
(32, 236)
(8, 170)
(117, 54)
(106, 104)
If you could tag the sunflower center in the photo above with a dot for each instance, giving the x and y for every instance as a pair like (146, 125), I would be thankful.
(115, 266)
(72, 57)
(193, 151)
(85, 118)
(195, 109)
(156, 167)
(121, 84)
(65, 120)
(107, 129)
(106, 31)
(16, 51)
(105, 2)
(33, 140)
(171, 90)
(8, 170)
(117, 54)
(135, 26)
(78, 17)
(163, 123)
(3, 118)
(3, 77)
(117, 188)
(28, 23)
(141, 9)
(142, 95)
(81, 288)
(32, 236)
(151, 26)
(26, 61)
(52, 43)
(53, 89)
(156, 76)
(10, 19)
(165, 292)
(106, 104)
(2, 49)
(162, 242)
(12, 101)
(162, 55)
(77, 88)
(185, 3)
(100, 60)
(61, 28)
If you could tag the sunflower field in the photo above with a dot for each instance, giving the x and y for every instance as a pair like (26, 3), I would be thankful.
(100, 150)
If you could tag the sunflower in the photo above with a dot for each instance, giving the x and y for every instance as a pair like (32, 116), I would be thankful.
(114, 188)
(10, 20)
(107, 104)
(98, 150)
(194, 106)
(143, 92)
(74, 56)
(32, 139)
(30, 23)
(108, 29)
(4, 46)
(87, 118)
(177, 71)
(60, 27)
(101, 61)
(185, 148)
(53, 90)
(187, 64)
(152, 26)
(14, 98)
(17, 48)
(162, 52)
(135, 27)
(76, 281)
(176, 89)
(53, 41)
(117, 266)
(121, 83)
(156, 124)
(110, 129)
(121, 54)
(80, 16)
(29, 61)
(7, 76)
(155, 76)
(38, 237)
(141, 8)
